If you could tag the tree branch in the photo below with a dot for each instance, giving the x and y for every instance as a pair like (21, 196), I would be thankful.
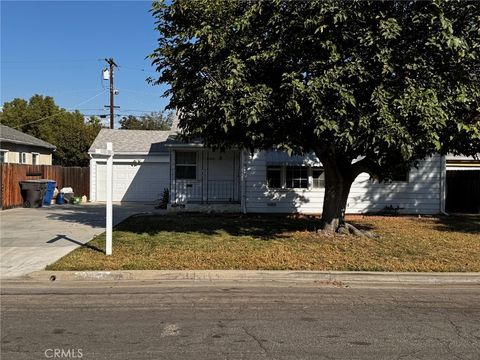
(364, 165)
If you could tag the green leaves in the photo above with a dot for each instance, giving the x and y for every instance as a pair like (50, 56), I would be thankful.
(152, 121)
(384, 79)
(42, 118)
(389, 28)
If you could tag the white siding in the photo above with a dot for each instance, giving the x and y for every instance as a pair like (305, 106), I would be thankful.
(93, 180)
(421, 195)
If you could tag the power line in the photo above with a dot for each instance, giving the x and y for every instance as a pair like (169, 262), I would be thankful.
(139, 92)
(138, 110)
(58, 112)
(69, 91)
(49, 61)
(131, 68)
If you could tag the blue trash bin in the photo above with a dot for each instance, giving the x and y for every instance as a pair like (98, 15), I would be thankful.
(50, 190)
(61, 198)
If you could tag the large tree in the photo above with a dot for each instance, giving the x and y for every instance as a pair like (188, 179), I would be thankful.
(42, 118)
(369, 86)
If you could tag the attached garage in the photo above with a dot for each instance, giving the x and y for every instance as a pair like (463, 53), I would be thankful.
(462, 185)
(141, 169)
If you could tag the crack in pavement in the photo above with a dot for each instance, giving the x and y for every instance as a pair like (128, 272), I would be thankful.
(256, 339)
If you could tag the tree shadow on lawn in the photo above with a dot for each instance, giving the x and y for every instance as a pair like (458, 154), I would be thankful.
(469, 224)
(264, 226)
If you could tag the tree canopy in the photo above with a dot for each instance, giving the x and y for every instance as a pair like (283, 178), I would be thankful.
(152, 121)
(42, 118)
(369, 86)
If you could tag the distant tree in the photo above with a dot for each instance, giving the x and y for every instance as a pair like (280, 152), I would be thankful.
(152, 121)
(42, 118)
(130, 122)
(369, 86)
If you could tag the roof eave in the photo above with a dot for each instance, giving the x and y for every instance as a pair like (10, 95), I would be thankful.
(18, 142)
(131, 153)
(184, 145)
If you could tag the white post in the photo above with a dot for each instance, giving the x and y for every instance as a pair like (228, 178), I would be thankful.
(108, 245)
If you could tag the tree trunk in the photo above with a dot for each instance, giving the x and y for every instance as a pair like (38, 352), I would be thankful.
(338, 182)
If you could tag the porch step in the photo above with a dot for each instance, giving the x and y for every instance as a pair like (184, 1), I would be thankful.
(206, 208)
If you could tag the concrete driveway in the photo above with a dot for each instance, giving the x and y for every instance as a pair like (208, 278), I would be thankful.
(33, 238)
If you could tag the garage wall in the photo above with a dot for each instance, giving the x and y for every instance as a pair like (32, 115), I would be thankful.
(135, 178)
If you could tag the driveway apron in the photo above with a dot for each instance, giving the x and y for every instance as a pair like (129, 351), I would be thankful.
(33, 238)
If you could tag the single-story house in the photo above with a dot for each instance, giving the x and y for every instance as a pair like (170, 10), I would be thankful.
(147, 162)
(20, 148)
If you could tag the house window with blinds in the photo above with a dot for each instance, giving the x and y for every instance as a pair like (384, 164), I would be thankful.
(3, 156)
(22, 158)
(186, 165)
(296, 177)
(274, 177)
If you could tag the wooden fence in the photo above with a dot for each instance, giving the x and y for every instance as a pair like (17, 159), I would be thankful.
(78, 178)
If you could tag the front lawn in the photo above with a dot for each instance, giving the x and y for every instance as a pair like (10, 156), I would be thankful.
(202, 241)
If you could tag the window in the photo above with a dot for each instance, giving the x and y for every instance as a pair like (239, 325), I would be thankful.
(186, 165)
(35, 158)
(318, 176)
(3, 156)
(23, 158)
(296, 177)
(274, 176)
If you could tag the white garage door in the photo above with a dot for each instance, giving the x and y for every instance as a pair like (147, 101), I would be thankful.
(134, 181)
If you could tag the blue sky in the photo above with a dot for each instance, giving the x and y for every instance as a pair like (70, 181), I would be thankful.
(57, 48)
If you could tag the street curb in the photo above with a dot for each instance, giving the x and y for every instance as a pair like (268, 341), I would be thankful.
(471, 278)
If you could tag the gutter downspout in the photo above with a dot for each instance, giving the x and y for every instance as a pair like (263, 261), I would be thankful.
(243, 182)
(443, 175)
(92, 196)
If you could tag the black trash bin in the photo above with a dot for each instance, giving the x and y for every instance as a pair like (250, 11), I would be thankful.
(32, 192)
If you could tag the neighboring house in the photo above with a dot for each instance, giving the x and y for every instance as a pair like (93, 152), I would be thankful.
(20, 148)
(146, 162)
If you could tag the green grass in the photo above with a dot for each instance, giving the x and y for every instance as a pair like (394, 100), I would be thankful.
(201, 241)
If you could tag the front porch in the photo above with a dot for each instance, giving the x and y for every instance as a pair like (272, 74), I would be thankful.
(204, 177)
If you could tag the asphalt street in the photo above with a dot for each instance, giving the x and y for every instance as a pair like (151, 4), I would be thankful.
(235, 320)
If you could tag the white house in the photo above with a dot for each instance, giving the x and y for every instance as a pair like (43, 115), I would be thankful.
(147, 162)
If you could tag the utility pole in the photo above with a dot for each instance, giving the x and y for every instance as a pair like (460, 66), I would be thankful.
(112, 64)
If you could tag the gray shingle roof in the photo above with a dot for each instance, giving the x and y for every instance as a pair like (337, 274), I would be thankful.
(131, 141)
(9, 135)
(174, 141)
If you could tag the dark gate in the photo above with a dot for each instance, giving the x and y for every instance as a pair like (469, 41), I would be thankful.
(463, 191)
